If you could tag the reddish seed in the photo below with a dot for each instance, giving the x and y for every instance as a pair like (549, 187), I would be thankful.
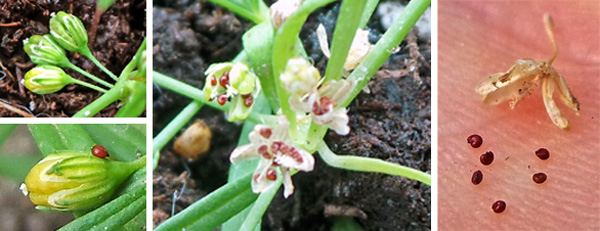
(222, 99)
(264, 151)
(542, 153)
(224, 80)
(475, 140)
(99, 151)
(271, 175)
(266, 132)
(539, 177)
(477, 177)
(246, 96)
(317, 109)
(486, 158)
(499, 206)
(275, 146)
(213, 81)
(248, 101)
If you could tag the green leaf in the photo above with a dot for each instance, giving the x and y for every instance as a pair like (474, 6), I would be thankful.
(113, 215)
(345, 29)
(59, 137)
(122, 141)
(5, 131)
(16, 167)
(214, 209)
(257, 42)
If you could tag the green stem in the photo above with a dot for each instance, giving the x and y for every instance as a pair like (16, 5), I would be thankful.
(87, 53)
(76, 81)
(173, 127)
(365, 164)
(260, 207)
(81, 71)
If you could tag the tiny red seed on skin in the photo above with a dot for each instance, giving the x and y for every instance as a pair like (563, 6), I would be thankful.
(542, 153)
(477, 177)
(271, 175)
(99, 151)
(486, 158)
(539, 177)
(222, 99)
(499, 206)
(475, 140)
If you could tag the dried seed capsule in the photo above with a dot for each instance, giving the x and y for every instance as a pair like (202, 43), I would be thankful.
(499, 206)
(539, 177)
(477, 177)
(486, 158)
(475, 140)
(99, 151)
(542, 153)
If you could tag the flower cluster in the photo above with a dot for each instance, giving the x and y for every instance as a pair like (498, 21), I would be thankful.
(302, 80)
(278, 156)
(232, 82)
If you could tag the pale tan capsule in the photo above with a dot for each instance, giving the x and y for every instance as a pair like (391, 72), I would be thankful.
(194, 142)
(520, 79)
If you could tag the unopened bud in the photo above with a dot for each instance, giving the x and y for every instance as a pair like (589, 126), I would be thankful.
(42, 50)
(300, 77)
(46, 79)
(68, 31)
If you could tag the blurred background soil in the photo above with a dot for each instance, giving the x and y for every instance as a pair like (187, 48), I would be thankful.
(391, 123)
(120, 32)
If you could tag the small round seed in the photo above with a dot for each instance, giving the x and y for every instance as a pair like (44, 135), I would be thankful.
(542, 153)
(486, 158)
(222, 99)
(539, 177)
(248, 101)
(499, 206)
(213, 81)
(475, 140)
(477, 177)
(271, 175)
(224, 80)
(99, 151)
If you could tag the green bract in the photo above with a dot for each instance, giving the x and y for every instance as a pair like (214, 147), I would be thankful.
(75, 181)
(42, 50)
(46, 79)
(68, 31)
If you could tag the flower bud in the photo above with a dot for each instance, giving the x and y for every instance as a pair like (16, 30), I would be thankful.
(68, 31)
(241, 79)
(42, 50)
(300, 77)
(75, 181)
(282, 10)
(46, 79)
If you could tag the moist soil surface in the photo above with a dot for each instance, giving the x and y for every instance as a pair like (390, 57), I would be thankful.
(391, 123)
(120, 31)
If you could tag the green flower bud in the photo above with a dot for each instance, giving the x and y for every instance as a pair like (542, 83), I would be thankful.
(68, 31)
(75, 181)
(300, 77)
(42, 50)
(46, 79)
(241, 79)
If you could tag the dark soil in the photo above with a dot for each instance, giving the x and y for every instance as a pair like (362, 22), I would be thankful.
(119, 33)
(392, 123)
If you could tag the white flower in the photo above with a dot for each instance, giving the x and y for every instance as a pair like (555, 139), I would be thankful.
(358, 50)
(276, 152)
(282, 10)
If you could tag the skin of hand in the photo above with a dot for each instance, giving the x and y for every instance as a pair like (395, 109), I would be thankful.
(480, 38)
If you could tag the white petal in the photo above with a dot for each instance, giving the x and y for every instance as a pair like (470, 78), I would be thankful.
(306, 164)
(261, 183)
(288, 185)
(303, 104)
(322, 36)
(337, 121)
(256, 138)
(245, 152)
(280, 132)
(337, 90)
